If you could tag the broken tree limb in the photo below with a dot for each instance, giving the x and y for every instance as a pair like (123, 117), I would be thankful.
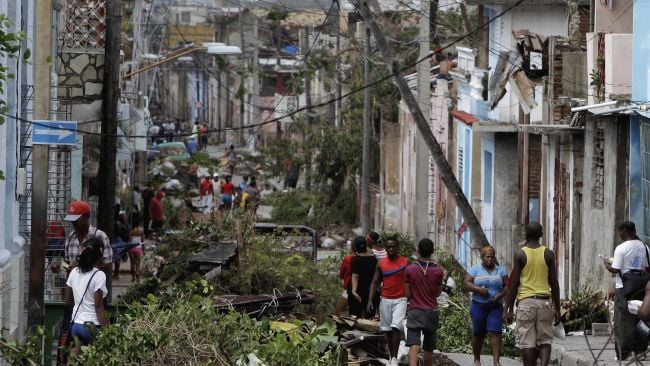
(439, 158)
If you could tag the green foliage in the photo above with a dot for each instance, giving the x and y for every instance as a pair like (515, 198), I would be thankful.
(266, 265)
(277, 14)
(203, 159)
(586, 306)
(326, 208)
(292, 207)
(455, 331)
(23, 353)
(165, 329)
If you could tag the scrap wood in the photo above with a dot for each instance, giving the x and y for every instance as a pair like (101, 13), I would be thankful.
(256, 305)
(369, 325)
(362, 338)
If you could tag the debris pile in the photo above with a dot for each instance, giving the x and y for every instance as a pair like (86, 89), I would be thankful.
(258, 305)
(366, 345)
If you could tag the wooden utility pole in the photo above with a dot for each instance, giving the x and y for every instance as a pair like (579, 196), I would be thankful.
(446, 172)
(110, 98)
(40, 155)
(365, 157)
(422, 156)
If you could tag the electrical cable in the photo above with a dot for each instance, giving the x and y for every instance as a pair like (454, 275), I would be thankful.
(298, 110)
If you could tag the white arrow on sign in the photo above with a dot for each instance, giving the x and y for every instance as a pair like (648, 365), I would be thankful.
(60, 131)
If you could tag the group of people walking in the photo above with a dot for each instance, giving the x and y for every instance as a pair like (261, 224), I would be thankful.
(405, 290)
(376, 278)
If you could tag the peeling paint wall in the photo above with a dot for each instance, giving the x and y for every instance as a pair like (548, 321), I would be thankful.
(598, 224)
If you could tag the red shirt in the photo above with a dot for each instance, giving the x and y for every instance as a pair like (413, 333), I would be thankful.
(394, 277)
(424, 287)
(205, 188)
(156, 210)
(345, 273)
(226, 188)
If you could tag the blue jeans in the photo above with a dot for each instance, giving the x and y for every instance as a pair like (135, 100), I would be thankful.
(84, 332)
(486, 317)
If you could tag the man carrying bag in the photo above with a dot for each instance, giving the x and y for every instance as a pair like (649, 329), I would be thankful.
(630, 264)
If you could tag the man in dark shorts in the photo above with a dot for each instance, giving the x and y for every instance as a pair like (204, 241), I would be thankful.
(423, 286)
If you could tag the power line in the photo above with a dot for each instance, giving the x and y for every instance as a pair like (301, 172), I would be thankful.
(497, 52)
(304, 61)
(298, 110)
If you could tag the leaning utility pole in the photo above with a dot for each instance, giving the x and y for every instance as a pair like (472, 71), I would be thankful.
(446, 172)
(110, 98)
(364, 32)
(422, 156)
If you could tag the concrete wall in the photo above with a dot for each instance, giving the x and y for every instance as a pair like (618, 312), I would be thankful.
(541, 19)
(506, 191)
(618, 19)
(390, 180)
(618, 64)
(407, 171)
(598, 234)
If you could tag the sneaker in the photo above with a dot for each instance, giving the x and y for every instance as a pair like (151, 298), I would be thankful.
(393, 362)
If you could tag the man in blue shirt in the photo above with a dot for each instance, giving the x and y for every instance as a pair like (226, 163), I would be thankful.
(192, 146)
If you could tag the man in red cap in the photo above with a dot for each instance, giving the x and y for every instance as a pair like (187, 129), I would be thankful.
(79, 215)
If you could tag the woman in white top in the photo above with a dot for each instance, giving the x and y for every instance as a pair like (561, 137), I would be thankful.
(86, 290)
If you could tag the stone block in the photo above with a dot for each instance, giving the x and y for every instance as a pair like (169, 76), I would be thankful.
(93, 88)
(78, 63)
(89, 73)
(73, 81)
(76, 92)
(599, 329)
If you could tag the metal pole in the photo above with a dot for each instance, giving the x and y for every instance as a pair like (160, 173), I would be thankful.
(365, 164)
(242, 70)
(42, 90)
(337, 103)
(255, 78)
(310, 118)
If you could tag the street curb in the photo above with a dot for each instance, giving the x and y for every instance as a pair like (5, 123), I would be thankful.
(562, 357)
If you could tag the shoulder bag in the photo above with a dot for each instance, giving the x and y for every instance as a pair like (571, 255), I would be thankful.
(67, 341)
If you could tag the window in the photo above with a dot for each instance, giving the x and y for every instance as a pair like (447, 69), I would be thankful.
(460, 166)
(598, 166)
(186, 16)
(487, 176)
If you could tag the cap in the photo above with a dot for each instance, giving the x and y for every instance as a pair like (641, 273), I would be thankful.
(216, 175)
(207, 175)
(76, 210)
(627, 226)
(160, 195)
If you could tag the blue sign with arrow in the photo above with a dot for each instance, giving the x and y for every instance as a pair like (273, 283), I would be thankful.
(54, 132)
